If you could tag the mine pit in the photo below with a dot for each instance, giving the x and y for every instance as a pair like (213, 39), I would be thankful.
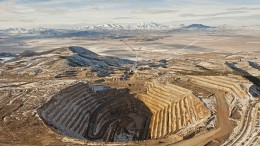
(65, 105)
(104, 114)
(97, 113)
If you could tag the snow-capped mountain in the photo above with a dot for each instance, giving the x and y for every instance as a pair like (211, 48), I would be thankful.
(97, 29)
(15, 31)
(34, 30)
(147, 26)
(140, 26)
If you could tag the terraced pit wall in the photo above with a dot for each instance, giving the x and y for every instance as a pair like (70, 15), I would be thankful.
(229, 85)
(173, 108)
(105, 116)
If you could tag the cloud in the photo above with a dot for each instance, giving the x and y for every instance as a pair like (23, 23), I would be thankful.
(130, 17)
(244, 9)
(153, 11)
(96, 8)
(43, 13)
(213, 14)
(247, 20)
(244, 18)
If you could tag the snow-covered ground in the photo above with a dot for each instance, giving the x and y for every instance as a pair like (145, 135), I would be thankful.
(5, 59)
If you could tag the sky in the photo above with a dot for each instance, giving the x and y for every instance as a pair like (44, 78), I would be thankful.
(63, 13)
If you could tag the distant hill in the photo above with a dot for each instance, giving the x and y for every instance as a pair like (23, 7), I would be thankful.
(198, 26)
(3, 54)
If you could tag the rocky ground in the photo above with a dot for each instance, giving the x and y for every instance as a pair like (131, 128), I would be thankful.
(189, 99)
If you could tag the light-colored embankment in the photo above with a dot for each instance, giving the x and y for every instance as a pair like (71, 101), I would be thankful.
(173, 108)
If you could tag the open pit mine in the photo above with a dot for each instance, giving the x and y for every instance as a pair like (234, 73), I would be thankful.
(72, 96)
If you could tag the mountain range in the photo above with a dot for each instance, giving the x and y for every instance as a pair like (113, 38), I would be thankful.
(107, 28)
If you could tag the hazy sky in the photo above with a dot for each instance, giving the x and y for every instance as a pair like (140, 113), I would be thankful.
(58, 13)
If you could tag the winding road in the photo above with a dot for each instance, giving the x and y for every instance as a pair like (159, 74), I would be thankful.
(223, 130)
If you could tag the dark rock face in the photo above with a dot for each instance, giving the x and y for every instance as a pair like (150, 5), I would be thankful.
(254, 91)
(28, 53)
(85, 57)
(107, 115)
(254, 65)
(80, 50)
(246, 74)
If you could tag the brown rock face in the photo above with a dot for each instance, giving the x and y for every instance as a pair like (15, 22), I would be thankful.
(173, 108)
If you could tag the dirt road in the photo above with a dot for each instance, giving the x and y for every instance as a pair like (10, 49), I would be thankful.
(218, 135)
